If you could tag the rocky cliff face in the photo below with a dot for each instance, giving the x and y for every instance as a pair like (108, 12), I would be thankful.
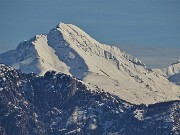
(58, 104)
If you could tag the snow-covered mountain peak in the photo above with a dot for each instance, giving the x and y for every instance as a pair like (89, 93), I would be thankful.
(77, 38)
(172, 72)
(174, 68)
(72, 30)
(70, 50)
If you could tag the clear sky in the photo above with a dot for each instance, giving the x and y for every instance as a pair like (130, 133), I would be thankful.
(135, 23)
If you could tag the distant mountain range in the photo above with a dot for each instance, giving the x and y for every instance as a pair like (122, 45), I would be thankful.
(172, 72)
(65, 82)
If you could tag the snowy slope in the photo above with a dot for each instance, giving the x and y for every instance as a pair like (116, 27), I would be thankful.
(70, 50)
(34, 55)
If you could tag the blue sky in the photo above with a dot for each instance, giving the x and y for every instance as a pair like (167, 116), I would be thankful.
(132, 23)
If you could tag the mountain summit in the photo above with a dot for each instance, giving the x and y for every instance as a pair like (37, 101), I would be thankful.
(70, 50)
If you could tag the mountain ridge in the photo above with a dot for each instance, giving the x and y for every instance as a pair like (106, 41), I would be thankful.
(171, 72)
(174, 68)
(70, 50)
(57, 103)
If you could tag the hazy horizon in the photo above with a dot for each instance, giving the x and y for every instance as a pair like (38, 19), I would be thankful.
(136, 24)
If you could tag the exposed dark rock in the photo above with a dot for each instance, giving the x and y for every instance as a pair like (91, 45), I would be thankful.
(58, 104)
